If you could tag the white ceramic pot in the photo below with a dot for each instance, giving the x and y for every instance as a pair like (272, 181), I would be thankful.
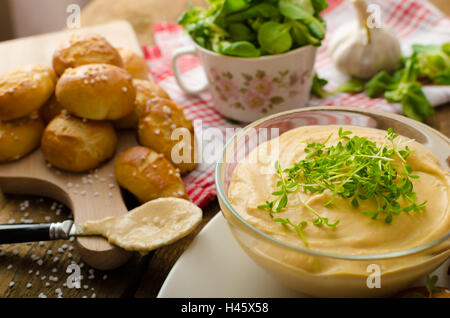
(247, 89)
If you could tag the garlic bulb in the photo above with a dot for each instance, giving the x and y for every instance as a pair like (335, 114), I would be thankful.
(360, 51)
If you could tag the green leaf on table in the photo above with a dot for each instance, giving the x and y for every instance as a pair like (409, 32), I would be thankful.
(434, 62)
(317, 86)
(319, 5)
(414, 102)
(353, 85)
(379, 84)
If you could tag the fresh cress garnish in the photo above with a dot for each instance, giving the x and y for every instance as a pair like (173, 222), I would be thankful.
(252, 28)
(355, 169)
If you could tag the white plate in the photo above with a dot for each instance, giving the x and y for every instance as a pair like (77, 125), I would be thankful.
(215, 266)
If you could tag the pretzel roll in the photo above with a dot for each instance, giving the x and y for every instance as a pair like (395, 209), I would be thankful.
(78, 145)
(25, 89)
(96, 91)
(19, 137)
(161, 119)
(81, 49)
(146, 92)
(50, 110)
(134, 63)
(148, 175)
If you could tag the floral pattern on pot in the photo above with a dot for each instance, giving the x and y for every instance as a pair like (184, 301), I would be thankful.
(258, 90)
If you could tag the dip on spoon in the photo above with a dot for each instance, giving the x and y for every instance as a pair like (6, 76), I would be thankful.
(152, 225)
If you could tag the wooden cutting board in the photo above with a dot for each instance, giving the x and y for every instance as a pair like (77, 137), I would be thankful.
(91, 195)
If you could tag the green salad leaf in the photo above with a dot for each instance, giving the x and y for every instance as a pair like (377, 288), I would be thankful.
(317, 86)
(428, 64)
(240, 48)
(434, 62)
(275, 37)
(251, 28)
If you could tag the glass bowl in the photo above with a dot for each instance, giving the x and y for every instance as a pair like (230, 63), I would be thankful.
(319, 273)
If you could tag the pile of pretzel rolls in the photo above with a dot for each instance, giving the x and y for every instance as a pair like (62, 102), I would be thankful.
(75, 109)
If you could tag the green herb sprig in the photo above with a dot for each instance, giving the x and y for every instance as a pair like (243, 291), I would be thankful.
(431, 285)
(355, 169)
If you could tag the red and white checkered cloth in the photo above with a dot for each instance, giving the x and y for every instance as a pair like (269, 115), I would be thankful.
(414, 21)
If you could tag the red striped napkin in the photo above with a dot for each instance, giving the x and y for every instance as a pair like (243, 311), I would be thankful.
(414, 22)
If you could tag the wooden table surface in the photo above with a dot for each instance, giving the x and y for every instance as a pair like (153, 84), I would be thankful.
(30, 270)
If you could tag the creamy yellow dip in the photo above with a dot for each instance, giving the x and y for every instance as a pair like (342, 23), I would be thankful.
(149, 226)
(254, 179)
